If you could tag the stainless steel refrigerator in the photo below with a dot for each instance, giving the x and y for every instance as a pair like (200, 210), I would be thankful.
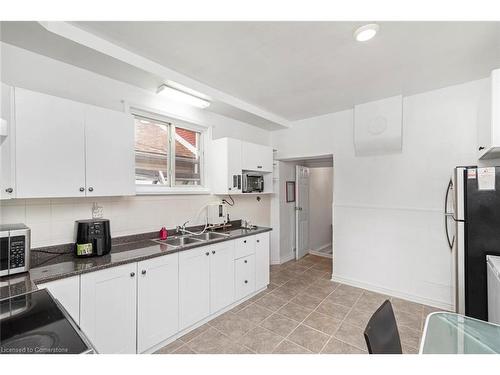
(472, 222)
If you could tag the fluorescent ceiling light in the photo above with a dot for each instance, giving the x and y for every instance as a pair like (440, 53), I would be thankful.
(180, 96)
(366, 32)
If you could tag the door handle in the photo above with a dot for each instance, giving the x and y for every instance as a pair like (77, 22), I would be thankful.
(298, 208)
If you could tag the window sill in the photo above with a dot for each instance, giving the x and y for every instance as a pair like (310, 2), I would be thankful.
(167, 190)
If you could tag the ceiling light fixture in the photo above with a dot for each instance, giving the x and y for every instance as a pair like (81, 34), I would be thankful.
(180, 96)
(366, 32)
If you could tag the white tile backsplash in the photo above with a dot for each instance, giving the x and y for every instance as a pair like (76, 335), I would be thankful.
(52, 220)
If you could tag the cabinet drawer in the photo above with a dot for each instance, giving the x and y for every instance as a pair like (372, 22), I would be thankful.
(244, 276)
(244, 246)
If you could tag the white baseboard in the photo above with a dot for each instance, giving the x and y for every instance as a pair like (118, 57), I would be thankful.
(394, 293)
(288, 257)
(322, 247)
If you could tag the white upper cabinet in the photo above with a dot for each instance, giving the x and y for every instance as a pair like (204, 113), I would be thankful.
(256, 157)
(230, 157)
(109, 152)
(7, 136)
(68, 149)
(225, 166)
(49, 146)
(488, 134)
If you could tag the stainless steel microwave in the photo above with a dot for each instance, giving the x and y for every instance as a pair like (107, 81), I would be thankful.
(253, 183)
(14, 249)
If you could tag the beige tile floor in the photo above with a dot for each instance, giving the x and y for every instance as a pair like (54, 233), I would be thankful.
(301, 311)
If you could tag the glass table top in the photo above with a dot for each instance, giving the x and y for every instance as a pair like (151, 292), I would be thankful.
(450, 333)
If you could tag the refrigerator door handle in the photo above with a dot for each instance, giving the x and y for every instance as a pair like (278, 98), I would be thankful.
(448, 214)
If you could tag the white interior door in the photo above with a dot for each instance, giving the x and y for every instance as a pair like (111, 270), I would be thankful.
(301, 211)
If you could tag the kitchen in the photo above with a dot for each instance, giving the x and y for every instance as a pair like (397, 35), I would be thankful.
(126, 177)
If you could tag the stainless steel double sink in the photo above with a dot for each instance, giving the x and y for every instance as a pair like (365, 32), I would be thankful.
(190, 239)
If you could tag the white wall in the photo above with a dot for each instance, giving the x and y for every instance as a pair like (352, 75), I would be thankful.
(320, 207)
(52, 220)
(388, 210)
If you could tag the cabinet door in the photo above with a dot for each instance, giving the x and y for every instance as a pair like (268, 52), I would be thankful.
(50, 151)
(261, 260)
(234, 165)
(244, 276)
(157, 300)
(67, 292)
(194, 286)
(108, 308)
(244, 246)
(109, 143)
(221, 275)
(256, 157)
(7, 175)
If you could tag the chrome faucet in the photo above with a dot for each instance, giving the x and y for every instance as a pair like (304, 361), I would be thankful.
(181, 228)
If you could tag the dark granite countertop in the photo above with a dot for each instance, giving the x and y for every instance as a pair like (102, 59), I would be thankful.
(66, 264)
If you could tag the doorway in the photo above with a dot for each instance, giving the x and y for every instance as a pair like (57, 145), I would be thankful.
(303, 220)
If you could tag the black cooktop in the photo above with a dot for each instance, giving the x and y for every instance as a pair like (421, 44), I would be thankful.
(34, 323)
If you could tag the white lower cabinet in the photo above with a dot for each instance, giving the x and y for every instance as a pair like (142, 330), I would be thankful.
(137, 306)
(67, 292)
(262, 263)
(221, 275)
(194, 286)
(108, 308)
(244, 276)
(157, 300)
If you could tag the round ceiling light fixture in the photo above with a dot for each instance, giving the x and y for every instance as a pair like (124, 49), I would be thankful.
(366, 32)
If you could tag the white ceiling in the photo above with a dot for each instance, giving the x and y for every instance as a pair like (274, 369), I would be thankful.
(303, 69)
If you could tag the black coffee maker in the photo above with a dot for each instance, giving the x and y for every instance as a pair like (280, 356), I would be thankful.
(93, 237)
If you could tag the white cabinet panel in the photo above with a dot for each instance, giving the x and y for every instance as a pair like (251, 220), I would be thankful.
(488, 119)
(157, 300)
(244, 272)
(225, 166)
(50, 154)
(221, 275)
(67, 292)
(108, 308)
(244, 246)
(256, 157)
(109, 143)
(7, 136)
(262, 260)
(194, 286)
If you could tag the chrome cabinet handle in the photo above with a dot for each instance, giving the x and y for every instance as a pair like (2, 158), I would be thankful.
(82, 189)
(258, 241)
(132, 274)
(143, 272)
(213, 251)
(259, 166)
(245, 241)
(207, 253)
(246, 261)
(246, 281)
(9, 190)
(91, 188)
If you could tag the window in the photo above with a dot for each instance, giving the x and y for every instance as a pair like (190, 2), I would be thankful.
(167, 153)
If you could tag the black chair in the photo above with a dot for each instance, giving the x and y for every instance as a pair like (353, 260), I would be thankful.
(381, 332)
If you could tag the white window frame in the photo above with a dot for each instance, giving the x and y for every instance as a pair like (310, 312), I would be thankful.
(205, 135)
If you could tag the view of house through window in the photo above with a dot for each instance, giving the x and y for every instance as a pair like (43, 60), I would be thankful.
(165, 154)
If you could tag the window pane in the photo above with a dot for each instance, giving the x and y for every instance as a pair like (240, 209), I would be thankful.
(151, 152)
(187, 157)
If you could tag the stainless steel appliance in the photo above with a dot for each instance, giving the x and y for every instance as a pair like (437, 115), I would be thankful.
(14, 249)
(472, 223)
(253, 183)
